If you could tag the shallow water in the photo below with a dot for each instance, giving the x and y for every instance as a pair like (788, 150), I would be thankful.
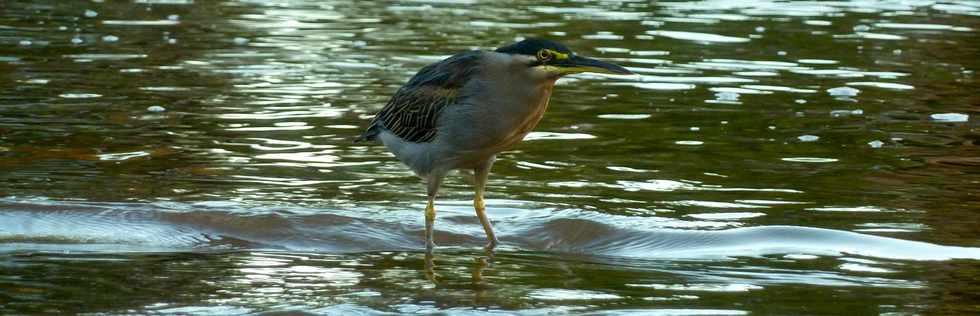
(770, 158)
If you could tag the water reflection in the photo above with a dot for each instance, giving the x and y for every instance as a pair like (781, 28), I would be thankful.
(388, 282)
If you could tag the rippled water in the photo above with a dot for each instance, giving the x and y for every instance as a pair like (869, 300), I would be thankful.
(788, 157)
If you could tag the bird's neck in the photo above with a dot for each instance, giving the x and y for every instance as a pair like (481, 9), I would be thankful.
(534, 108)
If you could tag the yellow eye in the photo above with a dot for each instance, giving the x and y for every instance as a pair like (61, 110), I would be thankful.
(545, 55)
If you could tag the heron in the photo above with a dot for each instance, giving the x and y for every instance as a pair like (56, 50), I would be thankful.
(460, 112)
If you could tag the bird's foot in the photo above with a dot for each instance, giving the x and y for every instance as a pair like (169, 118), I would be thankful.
(491, 245)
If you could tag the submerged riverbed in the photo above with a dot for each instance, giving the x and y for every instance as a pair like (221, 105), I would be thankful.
(770, 158)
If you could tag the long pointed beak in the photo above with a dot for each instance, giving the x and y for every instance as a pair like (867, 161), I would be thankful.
(584, 64)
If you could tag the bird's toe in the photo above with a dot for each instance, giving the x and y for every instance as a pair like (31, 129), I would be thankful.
(491, 244)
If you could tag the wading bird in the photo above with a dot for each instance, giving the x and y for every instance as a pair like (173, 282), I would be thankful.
(459, 113)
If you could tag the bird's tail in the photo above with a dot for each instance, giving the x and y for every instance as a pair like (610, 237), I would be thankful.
(369, 135)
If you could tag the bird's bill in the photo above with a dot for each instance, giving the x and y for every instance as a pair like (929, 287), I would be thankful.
(577, 64)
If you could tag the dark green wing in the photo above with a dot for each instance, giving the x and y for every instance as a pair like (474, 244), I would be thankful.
(412, 112)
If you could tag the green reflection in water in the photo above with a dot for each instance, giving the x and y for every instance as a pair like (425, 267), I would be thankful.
(238, 282)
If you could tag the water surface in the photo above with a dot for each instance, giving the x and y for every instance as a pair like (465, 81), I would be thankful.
(769, 158)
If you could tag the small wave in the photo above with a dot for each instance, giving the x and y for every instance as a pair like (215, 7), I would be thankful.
(182, 227)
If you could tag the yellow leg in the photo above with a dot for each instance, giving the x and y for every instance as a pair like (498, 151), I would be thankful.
(433, 183)
(430, 219)
(481, 213)
(481, 173)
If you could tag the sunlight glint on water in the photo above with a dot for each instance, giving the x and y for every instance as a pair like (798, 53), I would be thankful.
(771, 156)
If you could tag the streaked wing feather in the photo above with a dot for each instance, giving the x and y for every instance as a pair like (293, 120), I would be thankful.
(413, 111)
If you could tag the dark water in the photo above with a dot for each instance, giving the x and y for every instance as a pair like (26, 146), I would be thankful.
(771, 158)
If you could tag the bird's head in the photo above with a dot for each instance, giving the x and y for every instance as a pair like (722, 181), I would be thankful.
(557, 60)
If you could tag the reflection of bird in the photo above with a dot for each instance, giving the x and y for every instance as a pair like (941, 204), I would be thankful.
(460, 112)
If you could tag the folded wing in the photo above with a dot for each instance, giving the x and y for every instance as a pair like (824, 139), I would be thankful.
(413, 111)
